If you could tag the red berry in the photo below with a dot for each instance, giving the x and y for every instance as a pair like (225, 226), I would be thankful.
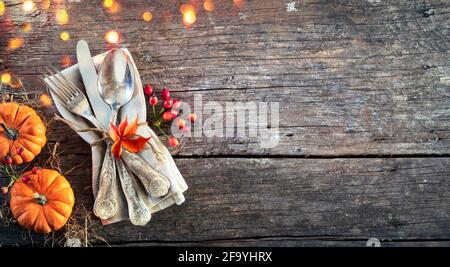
(148, 89)
(165, 94)
(174, 113)
(26, 179)
(173, 142)
(192, 117)
(176, 104)
(4, 189)
(35, 170)
(184, 129)
(168, 104)
(167, 116)
(181, 123)
(153, 101)
(8, 161)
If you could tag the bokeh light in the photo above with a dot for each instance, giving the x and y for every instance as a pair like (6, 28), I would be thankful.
(147, 16)
(15, 43)
(108, 3)
(62, 17)
(65, 36)
(45, 4)
(66, 61)
(6, 77)
(239, 3)
(111, 6)
(45, 100)
(28, 6)
(112, 37)
(208, 5)
(2, 8)
(26, 27)
(189, 16)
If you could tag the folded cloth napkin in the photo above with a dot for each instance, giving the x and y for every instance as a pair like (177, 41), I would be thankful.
(156, 154)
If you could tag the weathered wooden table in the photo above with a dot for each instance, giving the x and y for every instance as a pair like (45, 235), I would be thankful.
(364, 93)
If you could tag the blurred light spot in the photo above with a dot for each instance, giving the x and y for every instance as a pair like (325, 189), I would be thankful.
(45, 4)
(189, 16)
(239, 3)
(62, 17)
(6, 77)
(208, 5)
(45, 100)
(111, 6)
(15, 43)
(147, 16)
(28, 6)
(26, 27)
(66, 61)
(108, 3)
(64, 36)
(2, 8)
(112, 37)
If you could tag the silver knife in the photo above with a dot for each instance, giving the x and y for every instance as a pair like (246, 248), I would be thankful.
(89, 76)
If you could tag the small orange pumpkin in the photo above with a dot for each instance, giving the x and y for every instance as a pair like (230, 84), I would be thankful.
(42, 201)
(21, 129)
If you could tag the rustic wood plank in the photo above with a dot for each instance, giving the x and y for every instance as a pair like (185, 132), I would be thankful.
(400, 199)
(352, 77)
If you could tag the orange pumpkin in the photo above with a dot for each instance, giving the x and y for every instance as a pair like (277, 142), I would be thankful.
(22, 133)
(42, 201)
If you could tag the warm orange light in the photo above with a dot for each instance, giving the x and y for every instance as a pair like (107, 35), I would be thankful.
(147, 16)
(239, 3)
(45, 4)
(111, 6)
(62, 17)
(108, 3)
(15, 43)
(28, 6)
(189, 16)
(112, 37)
(66, 61)
(26, 27)
(208, 5)
(65, 36)
(45, 100)
(6, 77)
(2, 8)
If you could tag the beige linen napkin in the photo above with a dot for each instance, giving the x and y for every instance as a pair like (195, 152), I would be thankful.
(156, 155)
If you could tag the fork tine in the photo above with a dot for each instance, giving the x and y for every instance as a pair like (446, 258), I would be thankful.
(62, 86)
(59, 89)
(49, 83)
(75, 89)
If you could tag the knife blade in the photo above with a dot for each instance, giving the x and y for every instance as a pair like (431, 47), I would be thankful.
(90, 77)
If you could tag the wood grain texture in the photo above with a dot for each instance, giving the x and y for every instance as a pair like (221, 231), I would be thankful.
(352, 77)
(292, 201)
(355, 79)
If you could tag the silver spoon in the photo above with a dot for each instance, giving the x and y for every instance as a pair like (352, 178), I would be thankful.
(116, 87)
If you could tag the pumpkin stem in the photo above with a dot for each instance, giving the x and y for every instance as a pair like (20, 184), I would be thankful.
(40, 199)
(10, 133)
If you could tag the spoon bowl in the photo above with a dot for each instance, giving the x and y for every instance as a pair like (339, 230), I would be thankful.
(115, 80)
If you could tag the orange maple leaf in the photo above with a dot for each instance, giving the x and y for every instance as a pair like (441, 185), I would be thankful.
(125, 136)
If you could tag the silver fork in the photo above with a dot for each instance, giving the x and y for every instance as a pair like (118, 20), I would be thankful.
(105, 205)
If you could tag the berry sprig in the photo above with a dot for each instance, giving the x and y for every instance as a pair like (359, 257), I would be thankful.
(168, 112)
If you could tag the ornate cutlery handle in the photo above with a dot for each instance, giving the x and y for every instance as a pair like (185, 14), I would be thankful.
(138, 211)
(156, 184)
(105, 205)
